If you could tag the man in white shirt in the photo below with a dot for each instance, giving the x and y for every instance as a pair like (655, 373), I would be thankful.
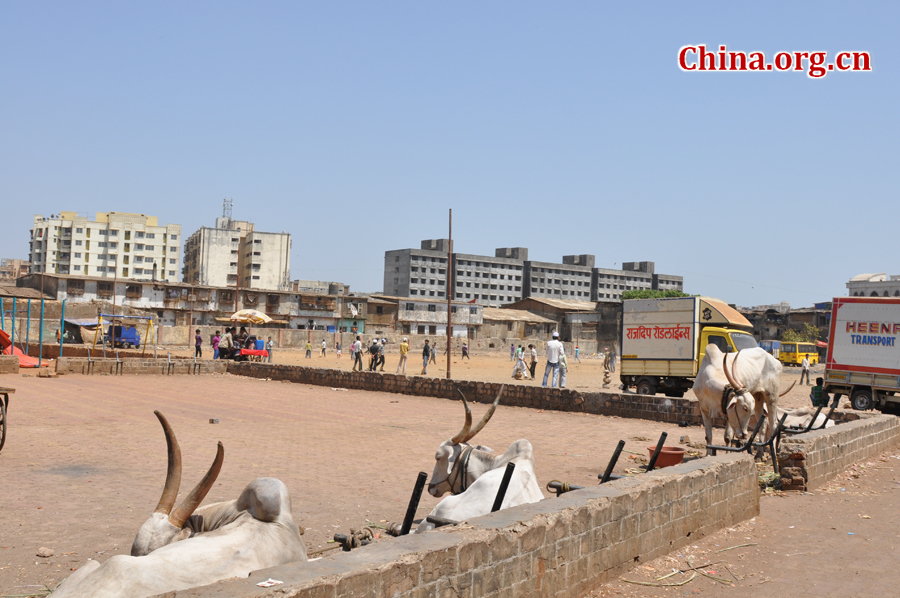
(805, 369)
(554, 350)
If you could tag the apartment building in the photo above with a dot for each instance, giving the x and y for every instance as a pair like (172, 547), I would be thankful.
(218, 256)
(112, 245)
(509, 276)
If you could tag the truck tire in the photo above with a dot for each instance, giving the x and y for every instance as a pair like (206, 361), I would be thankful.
(861, 400)
(646, 386)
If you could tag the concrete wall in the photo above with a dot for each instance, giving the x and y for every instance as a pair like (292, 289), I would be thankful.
(807, 461)
(80, 365)
(563, 547)
(622, 405)
(9, 364)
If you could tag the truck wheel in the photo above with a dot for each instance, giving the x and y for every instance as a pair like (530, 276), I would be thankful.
(862, 400)
(646, 386)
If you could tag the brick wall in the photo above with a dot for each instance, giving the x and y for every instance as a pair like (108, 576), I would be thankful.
(807, 461)
(80, 365)
(561, 547)
(666, 409)
(9, 364)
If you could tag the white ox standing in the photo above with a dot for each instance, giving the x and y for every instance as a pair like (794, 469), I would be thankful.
(755, 380)
(188, 546)
(473, 474)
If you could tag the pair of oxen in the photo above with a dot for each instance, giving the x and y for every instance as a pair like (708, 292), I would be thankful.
(188, 545)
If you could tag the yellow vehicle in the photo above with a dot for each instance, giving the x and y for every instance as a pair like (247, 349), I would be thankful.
(793, 353)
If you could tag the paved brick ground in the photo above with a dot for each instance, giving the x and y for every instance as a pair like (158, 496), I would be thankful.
(85, 460)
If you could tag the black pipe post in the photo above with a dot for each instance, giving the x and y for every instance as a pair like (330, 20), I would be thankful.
(612, 462)
(413, 502)
(659, 445)
(504, 484)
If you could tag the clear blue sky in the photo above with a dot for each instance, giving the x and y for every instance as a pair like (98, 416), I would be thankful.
(566, 128)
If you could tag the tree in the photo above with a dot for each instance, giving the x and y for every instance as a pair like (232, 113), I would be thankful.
(651, 294)
(809, 334)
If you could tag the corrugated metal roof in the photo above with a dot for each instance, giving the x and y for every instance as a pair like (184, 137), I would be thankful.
(565, 304)
(496, 314)
(21, 292)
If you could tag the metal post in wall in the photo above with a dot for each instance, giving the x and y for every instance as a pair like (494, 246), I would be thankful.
(27, 327)
(62, 328)
(449, 290)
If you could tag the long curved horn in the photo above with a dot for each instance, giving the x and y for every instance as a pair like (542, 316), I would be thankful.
(193, 500)
(173, 473)
(789, 389)
(461, 437)
(732, 380)
(487, 416)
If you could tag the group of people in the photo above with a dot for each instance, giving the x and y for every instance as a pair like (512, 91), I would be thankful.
(229, 345)
(557, 365)
(375, 352)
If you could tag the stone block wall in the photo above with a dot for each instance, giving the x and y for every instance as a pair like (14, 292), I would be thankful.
(9, 364)
(159, 367)
(561, 547)
(600, 403)
(807, 461)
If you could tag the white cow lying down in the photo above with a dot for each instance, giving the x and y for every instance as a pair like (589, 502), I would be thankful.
(473, 474)
(190, 546)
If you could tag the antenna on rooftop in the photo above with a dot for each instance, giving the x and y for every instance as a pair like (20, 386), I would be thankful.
(226, 207)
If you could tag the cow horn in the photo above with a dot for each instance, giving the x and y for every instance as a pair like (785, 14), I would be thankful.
(487, 416)
(735, 384)
(193, 500)
(173, 473)
(461, 437)
(789, 389)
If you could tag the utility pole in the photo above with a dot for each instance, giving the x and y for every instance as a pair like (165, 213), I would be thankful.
(449, 292)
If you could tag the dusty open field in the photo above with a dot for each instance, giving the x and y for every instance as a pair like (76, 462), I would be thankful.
(84, 465)
(495, 367)
(85, 460)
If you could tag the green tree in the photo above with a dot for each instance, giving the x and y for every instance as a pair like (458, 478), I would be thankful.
(651, 294)
(808, 334)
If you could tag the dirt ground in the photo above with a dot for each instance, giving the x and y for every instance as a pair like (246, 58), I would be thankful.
(496, 367)
(84, 461)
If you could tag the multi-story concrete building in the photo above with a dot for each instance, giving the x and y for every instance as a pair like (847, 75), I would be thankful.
(217, 256)
(509, 276)
(11, 269)
(113, 245)
(874, 285)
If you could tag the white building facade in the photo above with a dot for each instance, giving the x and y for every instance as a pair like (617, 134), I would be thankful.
(113, 245)
(219, 256)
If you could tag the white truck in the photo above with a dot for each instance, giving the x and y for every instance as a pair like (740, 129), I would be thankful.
(664, 340)
(864, 353)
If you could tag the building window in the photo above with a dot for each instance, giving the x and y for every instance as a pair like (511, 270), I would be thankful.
(77, 254)
(172, 273)
(413, 292)
(151, 235)
(173, 237)
(79, 230)
(432, 308)
(78, 242)
(114, 233)
(410, 307)
(176, 249)
(149, 247)
(172, 261)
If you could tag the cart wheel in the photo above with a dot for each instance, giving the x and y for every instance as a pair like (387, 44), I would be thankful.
(2, 423)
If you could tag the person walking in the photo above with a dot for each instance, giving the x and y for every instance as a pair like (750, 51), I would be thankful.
(270, 346)
(215, 344)
(404, 350)
(381, 355)
(563, 369)
(308, 350)
(225, 344)
(533, 352)
(465, 352)
(512, 352)
(434, 351)
(553, 351)
(576, 354)
(323, 347)
(356, 354)
(337, 350)
(426, 354)
(198, 345)
(805, 370)
(373, 355)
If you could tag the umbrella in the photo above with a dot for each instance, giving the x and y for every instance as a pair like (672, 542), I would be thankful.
(250, 316)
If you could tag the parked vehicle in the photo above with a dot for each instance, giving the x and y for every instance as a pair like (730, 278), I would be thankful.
(664, 340)
(863, 359)
(793, 353)
(120, 336)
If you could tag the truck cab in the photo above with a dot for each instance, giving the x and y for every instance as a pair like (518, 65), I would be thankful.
(726, 339)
